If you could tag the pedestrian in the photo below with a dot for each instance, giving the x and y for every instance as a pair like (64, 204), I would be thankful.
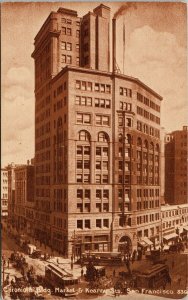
(114, 273)
(57, 261)
(82, 272)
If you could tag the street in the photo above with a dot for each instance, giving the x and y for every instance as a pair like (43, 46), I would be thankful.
(177, 264)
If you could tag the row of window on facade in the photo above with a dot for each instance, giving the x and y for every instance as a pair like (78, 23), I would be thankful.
(148, 129)
(148, 204)
(146, 233)
(144, 113)
(86, 207)
(69, 31)
(90, 86)
(67, 59)
(86, 224)
(86, 178)
(148, 102)
(69, 21)
(68, 46)
(148, 218)
(88, 101)
(102, 120)
(170, 224)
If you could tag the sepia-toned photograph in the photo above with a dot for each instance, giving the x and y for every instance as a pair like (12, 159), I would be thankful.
(94, 150)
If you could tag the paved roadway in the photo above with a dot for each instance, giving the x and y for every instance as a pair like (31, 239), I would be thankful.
(177, 265)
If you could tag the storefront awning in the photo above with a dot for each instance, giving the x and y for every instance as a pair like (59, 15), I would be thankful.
(185, 228)
(170, 236)
(147, 241)
(142, 243)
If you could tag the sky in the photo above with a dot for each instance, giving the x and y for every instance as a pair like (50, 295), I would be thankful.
(155, 52)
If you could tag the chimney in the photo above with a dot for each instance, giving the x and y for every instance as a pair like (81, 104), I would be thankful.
(113, 45)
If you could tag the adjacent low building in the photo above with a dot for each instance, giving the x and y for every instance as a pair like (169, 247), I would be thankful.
(174, 220)
(24, 199)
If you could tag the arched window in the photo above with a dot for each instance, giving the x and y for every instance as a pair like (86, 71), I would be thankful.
(84, 136)
(139, 142)
(103, 137)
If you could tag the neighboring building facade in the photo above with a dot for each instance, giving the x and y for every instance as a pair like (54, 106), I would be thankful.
(97, 142)
(4, 193)
(174, 223)
(24, 198)
(176, 167)
(11, 195)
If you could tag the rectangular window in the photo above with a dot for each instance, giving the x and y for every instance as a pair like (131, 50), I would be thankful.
(69, 31)
(98, 194)
(96, 87)
(86, 178)
(78, 100)
(105, 207)
(83, 86)
(77, 47)
(77, 33)
(63, 45)
(78, 84)
(80, 224)
(98, 151)
(106, 223)
(86, 150)
(69, 46)
(79, 207)
(79, 178)
(108, 88)
(89, 86)
(87, 223)
(98, 207)
(79, 194)
(63, 60)
(98, 223)
(77, 61)
(79, 150)
(87, 194)
(69, 59)
(98, 178)
(98, 165)
(63, 30)
(86, 164)
(102, 88)
(79, 164)
(106, 194)
(105, 179)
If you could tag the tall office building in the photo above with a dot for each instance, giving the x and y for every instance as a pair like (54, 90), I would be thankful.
(176, 166)
(97, 141)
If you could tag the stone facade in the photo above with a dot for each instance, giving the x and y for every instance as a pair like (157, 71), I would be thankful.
(176, 167)
(97, 143)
